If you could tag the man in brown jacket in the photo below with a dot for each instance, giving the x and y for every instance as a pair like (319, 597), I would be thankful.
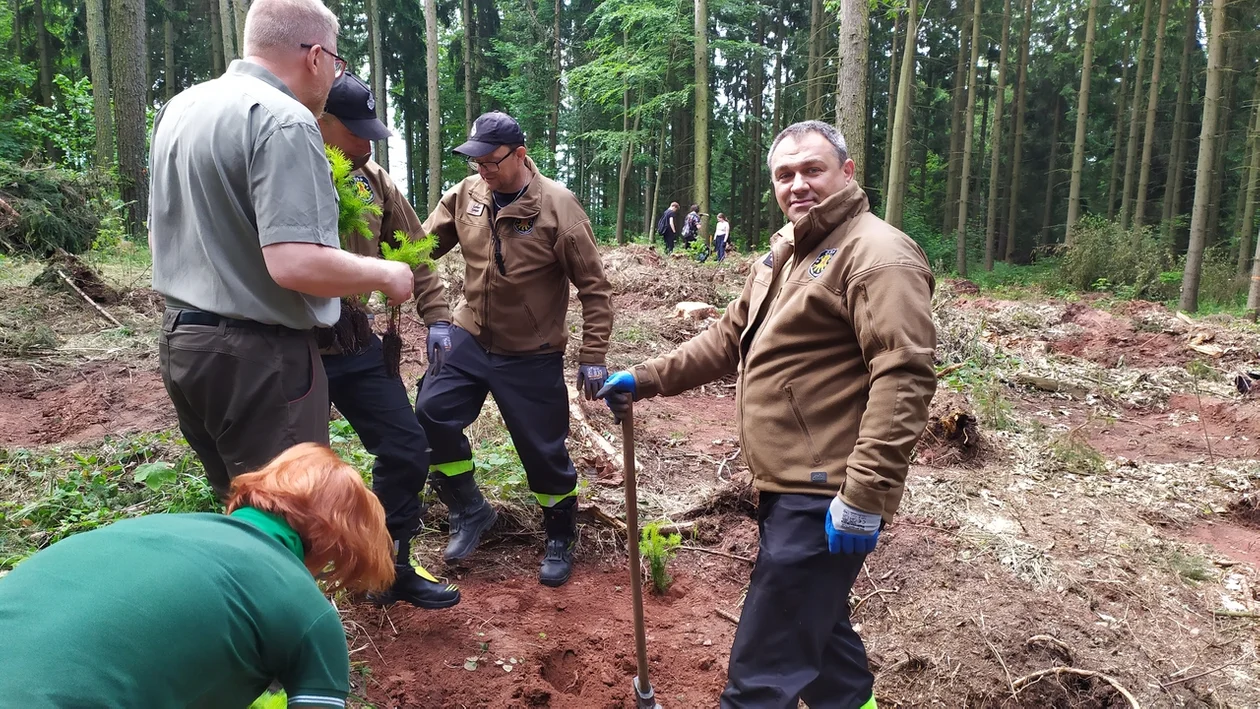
(375, 403)
(833, 340)
(524, 239)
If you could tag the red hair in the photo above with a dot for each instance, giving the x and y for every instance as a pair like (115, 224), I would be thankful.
(325, 501)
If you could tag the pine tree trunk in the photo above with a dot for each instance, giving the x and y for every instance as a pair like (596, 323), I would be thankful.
(1172, 185)
(1082, 118)
(852, 59)
(1017, 151)
(1247, 224)
(98, 48)
(773, 214)
(1130, 155)
(218, 64)
(1226, 104)
(995, 163)
(964, 181)
(1253, 293)
(955, 121)
(1043, 236)
(379, 89)
(756, 159)
(227, 26)
(647, 195)
(435, 112)
(1117, 139)
(627, 152)
(702, 114)
(898, 160)
(240, 9)
(1152, 105)
(16, 9)
(812, 64)
(409, 128)
(660, 172)
(553, 125)
(986, 79)
(470, 81)
(45, 56)
(1207, 155)
(892, 112)
(169, 83)
(127, 41)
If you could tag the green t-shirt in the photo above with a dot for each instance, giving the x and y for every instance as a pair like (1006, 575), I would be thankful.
(170, 610)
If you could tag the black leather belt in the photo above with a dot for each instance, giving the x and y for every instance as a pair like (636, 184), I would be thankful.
(200, 317)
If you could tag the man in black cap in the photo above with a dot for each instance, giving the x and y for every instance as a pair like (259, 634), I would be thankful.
(524, 239)
(374, 402)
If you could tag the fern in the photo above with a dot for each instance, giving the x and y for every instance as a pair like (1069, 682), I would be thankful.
(414, 253)
(354, 202)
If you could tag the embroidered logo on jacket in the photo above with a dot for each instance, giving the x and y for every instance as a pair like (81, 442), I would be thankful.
(820, 264)
(523, 226)
(365, 187)
(769, 259)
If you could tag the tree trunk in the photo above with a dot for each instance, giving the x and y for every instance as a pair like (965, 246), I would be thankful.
(1152, 104)
(127, 41)
(986, 79)
(995, 163)
(964, 181)
(898, 160)
(553, 125)
(169, 83)
(435, 112)
(16, 9)
(1247, 223)
(409, 150)
(756, 161)
(776, 123)
(1207, 155)
(1253, 293)
(1226, 103)
(1117, 139)
(375, 40)
(1082, 116)
(955, 121)
(218, 64)
(1130, 155)
(812, 63)
(470, 81)
(1172, 186)
(227, 25)
(45, 56)
(702, 114)
(892, 111)
(852, 59)
(647, 195)
(1043, 236)
(1017, 151)
(240, 9)
(98, 48)
(660, 171)
(627, 152)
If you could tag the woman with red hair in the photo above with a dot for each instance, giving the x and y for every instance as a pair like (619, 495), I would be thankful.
(200, 610)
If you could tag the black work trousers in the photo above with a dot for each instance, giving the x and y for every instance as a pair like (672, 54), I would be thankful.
(376, 405)
(794, 639)
(669, 237)
(530, 393)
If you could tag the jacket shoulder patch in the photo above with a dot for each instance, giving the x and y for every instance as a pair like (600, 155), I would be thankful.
(769, 259)
(820, 264)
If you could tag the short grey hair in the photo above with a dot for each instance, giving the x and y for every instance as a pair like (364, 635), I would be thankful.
(273, 25)
(800, 130)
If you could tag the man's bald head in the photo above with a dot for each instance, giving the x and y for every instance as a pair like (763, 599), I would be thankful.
(275, 28)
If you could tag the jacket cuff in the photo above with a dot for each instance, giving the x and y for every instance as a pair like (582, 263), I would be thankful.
(588, 355)
(646, 383)
(435, 313)
(862, 497)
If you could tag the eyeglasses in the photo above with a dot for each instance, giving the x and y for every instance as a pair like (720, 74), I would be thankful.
(490, 166)
(339, 64)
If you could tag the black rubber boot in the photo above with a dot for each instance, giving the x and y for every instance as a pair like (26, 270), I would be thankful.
(560, 523)
(414, 585)
(470, 514)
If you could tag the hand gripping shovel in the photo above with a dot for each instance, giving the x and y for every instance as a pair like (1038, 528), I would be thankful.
(644, 696)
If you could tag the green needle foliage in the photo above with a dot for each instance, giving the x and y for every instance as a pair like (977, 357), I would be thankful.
(414, 253)
(659, 550)
(354, 202)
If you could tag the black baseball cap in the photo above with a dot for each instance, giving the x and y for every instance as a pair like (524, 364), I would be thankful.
(352, 102)
(489, 131)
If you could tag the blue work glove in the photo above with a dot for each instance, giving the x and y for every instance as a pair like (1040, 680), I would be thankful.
(618, 391)
(857, 531)
(437, 344)
(591, 379)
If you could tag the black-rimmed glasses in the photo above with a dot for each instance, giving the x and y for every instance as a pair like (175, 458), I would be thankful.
(339, 64)
(488, 165)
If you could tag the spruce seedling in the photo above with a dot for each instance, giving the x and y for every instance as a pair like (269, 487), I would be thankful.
(414, 253)
(659, 550)
(353, 330)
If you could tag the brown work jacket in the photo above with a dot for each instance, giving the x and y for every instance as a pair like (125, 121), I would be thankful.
(834, 356)
(517, 304)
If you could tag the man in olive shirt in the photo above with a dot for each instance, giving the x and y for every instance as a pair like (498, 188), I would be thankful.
(243, 228)
(374, 402)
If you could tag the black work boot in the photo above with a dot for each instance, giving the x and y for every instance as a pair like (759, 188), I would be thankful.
(470, 514)
(414, 585)
(560, 523)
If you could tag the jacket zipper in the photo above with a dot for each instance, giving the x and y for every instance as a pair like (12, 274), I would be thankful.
(491, 265)
(800, 420)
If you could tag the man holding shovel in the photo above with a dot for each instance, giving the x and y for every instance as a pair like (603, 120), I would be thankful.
(833, 340)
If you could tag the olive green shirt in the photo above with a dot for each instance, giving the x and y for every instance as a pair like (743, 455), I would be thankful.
(170, 610)
(237, 163)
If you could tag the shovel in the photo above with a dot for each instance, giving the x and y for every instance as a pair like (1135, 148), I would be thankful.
(644, 696)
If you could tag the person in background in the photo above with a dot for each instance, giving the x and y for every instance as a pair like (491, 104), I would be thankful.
(375, 403)
(721, 236)
(666, 227)
(832, 339)
(202, 609)
(243, 230)
(691, 225)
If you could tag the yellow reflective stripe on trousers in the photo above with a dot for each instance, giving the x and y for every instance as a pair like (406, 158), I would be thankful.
(455, 467)
(870, 703)
(553, 500)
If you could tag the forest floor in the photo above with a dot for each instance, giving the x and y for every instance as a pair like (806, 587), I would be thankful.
(1081, 522)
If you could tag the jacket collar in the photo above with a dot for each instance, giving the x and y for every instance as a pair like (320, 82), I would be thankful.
(527, 205)
(273, 526)
(829, 214)
(242, 67)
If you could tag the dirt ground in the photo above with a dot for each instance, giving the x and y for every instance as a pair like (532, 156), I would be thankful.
(1081, 524)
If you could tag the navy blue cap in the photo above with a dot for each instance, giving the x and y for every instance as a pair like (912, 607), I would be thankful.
(352, 102)
(489, 131)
